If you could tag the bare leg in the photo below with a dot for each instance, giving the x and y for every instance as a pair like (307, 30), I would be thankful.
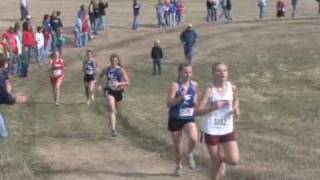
(112, 111)
(215, 161)
(176, 137)
(191, 131)
(58, 89)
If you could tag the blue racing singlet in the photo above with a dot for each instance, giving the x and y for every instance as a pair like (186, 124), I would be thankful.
(114, 76)
(185, 109)
(90, 67)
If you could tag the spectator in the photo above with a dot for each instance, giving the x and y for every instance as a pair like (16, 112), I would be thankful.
(40, 45)
(10, 36)
(157, 55)
(47, 42)
(46, 22)
(82, 12)
(280, 9)
(6, 95)
(226, 6)
(136, 14)
(18, 36)
(172, 13)
(90, 12)
(180, 11)
(86, 29)
(212, 10)
(25, 61)
(24, 9)
(189, 37)
(262, 4)
(96, 17)
(160, 10)
(295, 5)
(103, 4)
(29, 40)
(78, 33)
(26, 23)
(55, 21)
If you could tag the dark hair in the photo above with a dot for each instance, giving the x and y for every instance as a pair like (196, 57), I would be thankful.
(16, 27)
(54, 53)
(39, 28)
(115, 55)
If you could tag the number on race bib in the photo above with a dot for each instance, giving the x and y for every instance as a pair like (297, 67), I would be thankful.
(57, 72)
(185, 112)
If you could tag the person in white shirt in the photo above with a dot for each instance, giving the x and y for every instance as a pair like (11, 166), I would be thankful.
(40, 45)
(24, 9)
(220, 104)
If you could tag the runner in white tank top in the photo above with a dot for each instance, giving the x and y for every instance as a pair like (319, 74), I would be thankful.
(220, 104)
(220, 122)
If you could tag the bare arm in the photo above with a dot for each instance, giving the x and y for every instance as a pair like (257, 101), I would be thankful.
(206, 106)
(236, 103)
(125, 80)
(83, 66)
(203, 107)
(172, 100)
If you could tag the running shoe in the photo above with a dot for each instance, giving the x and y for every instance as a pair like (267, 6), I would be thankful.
(191, 161)
(114, 133)
(88, 102)
(178, 171)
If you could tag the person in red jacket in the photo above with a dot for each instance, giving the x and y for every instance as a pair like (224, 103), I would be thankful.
(29, 40)
(13, 49)
(3, 46)
(86, 29)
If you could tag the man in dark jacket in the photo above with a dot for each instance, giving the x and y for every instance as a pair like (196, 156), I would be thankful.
(6, 97)
(103, 4)
(189, 37)
(156, 55)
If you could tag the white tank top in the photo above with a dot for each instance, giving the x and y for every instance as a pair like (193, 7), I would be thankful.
(220, 121)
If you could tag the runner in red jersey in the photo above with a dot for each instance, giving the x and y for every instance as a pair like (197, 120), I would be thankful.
(56, 70)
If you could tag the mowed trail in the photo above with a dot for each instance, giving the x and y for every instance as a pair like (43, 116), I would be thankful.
(73, 141)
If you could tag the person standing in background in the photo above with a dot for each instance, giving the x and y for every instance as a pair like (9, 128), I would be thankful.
(189, 37)
(103, 22)
(24, 9)
(156, 55)
(136, 15)
(262, 4)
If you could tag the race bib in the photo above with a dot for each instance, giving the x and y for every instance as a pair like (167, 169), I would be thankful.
(219, 121)
(57, 72)
(113, 82)
(186, 112)
(89, 71)
(222, 117)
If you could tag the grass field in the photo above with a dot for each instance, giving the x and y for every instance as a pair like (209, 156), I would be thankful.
(275, 65)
